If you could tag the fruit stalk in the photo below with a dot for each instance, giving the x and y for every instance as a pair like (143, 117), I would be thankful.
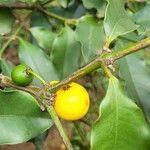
(36, 75)
(95, 64)
(59, 126)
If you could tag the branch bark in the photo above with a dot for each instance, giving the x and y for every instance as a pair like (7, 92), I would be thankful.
(100, 62)
(93, 65)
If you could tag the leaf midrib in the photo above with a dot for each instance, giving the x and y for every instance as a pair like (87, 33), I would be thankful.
(116, 116)
(115, 27)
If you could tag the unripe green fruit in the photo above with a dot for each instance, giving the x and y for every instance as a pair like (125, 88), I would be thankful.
(20, 76)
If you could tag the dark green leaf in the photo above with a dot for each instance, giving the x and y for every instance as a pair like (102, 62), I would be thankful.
(74, 11)
(138, 80)
(91, 35)
(37, 60)
(20, 117)
(38, 19)
(6, 21)
(43, 36)
(117, 21)
(66, 52)
(121, 125)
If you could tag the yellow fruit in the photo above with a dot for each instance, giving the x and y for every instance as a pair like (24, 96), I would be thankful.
(72, 102)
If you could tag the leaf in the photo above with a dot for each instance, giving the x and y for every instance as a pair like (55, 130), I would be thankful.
(91, 35)
(43, 36)
(121, 125)
(74, 10)
(6, 67)
(38, 19)
(99, 5)
(37, 60)
(14, 2)
(66, 3)
(20, 117)
(93, 4)
(137, 80)
(6, 21)
(130, 37)
(142, 17)
(7, 2)
(117, 21)
(66, 52)
(63, 3)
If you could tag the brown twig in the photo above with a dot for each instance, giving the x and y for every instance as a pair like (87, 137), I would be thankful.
(6, 82)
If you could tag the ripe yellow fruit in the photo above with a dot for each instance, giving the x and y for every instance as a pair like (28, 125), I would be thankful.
(72, 103)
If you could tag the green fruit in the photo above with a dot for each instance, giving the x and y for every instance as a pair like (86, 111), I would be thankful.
(20, 76)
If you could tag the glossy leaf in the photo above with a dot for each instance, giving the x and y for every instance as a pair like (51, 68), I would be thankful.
(66, 52)
(117, 21)
(20, 117)
(43, 36)
(137, 80)
(121, 124)
(37, 60)
(6, 21)
(91, 35)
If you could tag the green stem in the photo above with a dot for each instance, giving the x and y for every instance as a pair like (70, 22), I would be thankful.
(107, 43)
(99, 62)
(59, 126)
(107, 71)
(95, 64)
(63, 19)
(53, 15)
(6, 82)
(45, 3)
(136, 47)
(36, 75)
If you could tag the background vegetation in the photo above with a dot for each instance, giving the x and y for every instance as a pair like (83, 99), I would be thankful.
(87, 41)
